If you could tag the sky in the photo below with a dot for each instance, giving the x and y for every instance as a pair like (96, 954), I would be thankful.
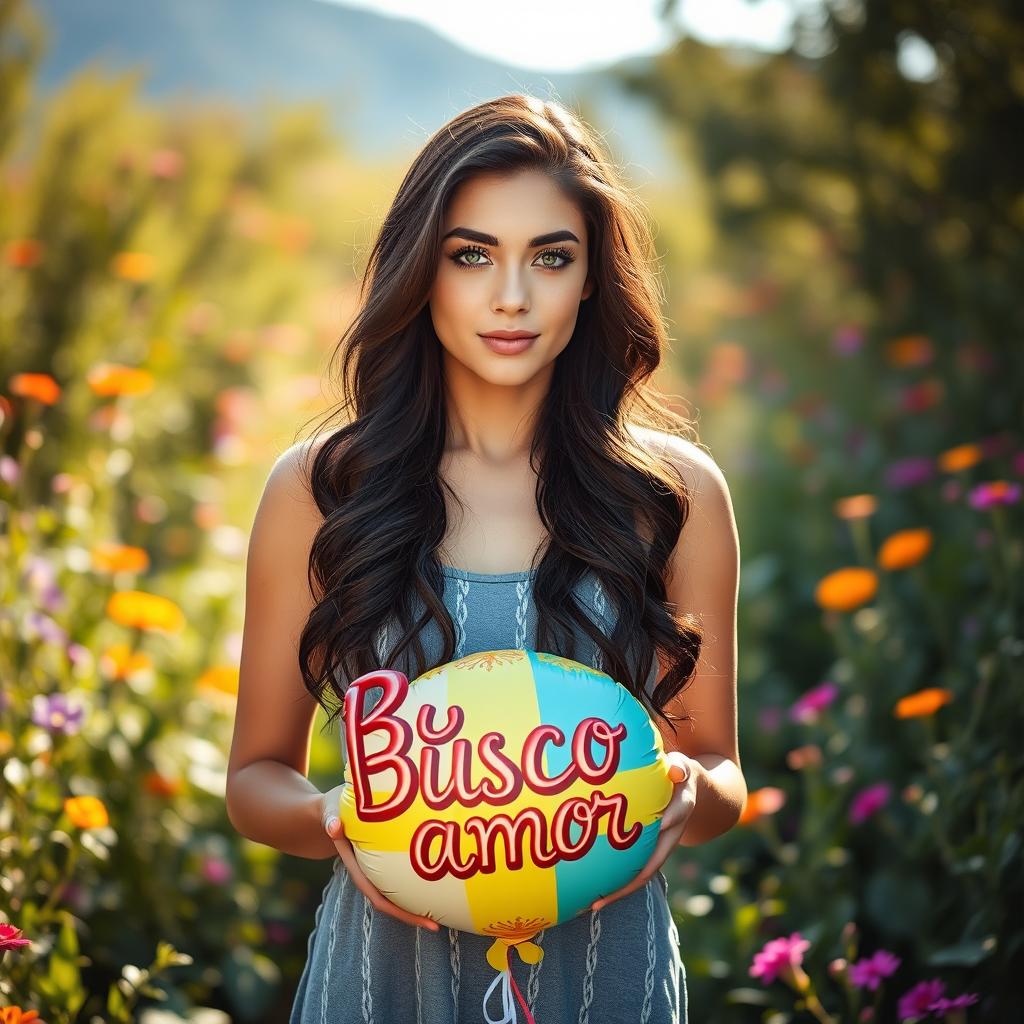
(576, 35)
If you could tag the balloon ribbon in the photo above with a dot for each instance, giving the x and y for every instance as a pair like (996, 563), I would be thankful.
(498, 958)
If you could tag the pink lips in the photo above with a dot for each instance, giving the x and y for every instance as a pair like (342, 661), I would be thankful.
(508, 343)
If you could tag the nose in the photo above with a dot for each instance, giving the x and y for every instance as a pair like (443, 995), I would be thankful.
(511, 292)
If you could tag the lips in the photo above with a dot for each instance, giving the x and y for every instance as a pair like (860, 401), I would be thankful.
(508, 343)
(509, 335)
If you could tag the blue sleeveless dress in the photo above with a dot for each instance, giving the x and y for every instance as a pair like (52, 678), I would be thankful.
(621, 963)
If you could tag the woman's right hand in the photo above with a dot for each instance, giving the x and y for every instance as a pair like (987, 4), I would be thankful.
(336, 830)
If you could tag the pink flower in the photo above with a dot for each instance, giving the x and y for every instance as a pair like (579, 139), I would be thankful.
(779, 958)
(995, 492)
(943, 1005)
(807, 708)
(869, 800)
(11, 938)
(216, 870)
(917, 1002)
(868, 972)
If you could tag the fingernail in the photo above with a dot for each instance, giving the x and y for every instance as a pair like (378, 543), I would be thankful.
(332, 824)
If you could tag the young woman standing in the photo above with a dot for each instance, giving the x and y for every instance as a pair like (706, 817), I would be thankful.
(504, 476)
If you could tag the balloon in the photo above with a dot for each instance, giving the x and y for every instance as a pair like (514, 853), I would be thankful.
(501, 793)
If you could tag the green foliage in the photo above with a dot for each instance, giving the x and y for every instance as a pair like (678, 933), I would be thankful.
(843, 257)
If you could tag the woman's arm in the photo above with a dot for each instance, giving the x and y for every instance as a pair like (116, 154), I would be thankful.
(269, 798)
(705, 580)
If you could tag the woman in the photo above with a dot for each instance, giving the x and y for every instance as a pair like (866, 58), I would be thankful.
(498, 408)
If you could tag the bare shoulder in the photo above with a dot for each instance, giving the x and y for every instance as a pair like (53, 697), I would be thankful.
(695, 464)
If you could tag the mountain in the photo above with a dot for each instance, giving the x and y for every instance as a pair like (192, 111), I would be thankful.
(387, 82)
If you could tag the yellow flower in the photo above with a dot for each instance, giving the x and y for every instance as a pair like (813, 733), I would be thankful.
(145, 611)
(963, 456)
(110, 556)
(86, 811)
(904, 548)
(114, 379)
(846, 589)
(222, 678)
(133, 266)
(119, 661)
(923, 702)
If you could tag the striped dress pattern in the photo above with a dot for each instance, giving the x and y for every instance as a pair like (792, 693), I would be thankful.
(621, 963)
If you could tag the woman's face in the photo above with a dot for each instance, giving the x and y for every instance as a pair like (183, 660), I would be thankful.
(515, 279)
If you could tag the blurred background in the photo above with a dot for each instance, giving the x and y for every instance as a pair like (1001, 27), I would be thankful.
(188, 192)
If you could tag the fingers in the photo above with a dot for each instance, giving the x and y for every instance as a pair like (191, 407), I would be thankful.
(374, 896)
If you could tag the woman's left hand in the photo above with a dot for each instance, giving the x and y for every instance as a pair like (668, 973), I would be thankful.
(683, 772)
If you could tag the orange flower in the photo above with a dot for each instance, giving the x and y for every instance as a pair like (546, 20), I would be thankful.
(923, 702)
(40, 386)
(766, 800)
(161, 785)
(904, 548)
(133, 266)
(857, 506)
(115, 379)
(222, 678)
(145, 611)
(6, 742)
(23, 252)
(16, 1015)
(109, 556)
(963, 456)
(846, 589)
(807, 756)
(86, 811)
(910, 350)
(119, 661)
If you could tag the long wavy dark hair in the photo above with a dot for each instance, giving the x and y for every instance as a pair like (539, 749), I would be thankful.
(609, 505)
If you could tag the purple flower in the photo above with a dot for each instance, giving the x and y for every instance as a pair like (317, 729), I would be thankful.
(807, 708)
(944, 1005)
(779, 956)
(995, 492)
(56, 713)
(40, 625)
(868, 801)
(868, 972)
(917, 1002)
(908, 472)
(847, 340)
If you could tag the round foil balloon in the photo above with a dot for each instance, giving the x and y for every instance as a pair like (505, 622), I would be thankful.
(501, 793)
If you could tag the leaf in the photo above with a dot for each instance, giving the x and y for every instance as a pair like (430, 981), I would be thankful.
(963, 954)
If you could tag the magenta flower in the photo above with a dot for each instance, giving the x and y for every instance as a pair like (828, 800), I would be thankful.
(780, 956)
(917, 1002)
(869, 971)
(807, 708)
(943, 1005)
(908, 472)
(11, 938)
(868, 801)
(995, 492)
(56, 713)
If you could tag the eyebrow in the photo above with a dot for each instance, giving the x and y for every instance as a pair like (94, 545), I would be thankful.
(563, 235)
